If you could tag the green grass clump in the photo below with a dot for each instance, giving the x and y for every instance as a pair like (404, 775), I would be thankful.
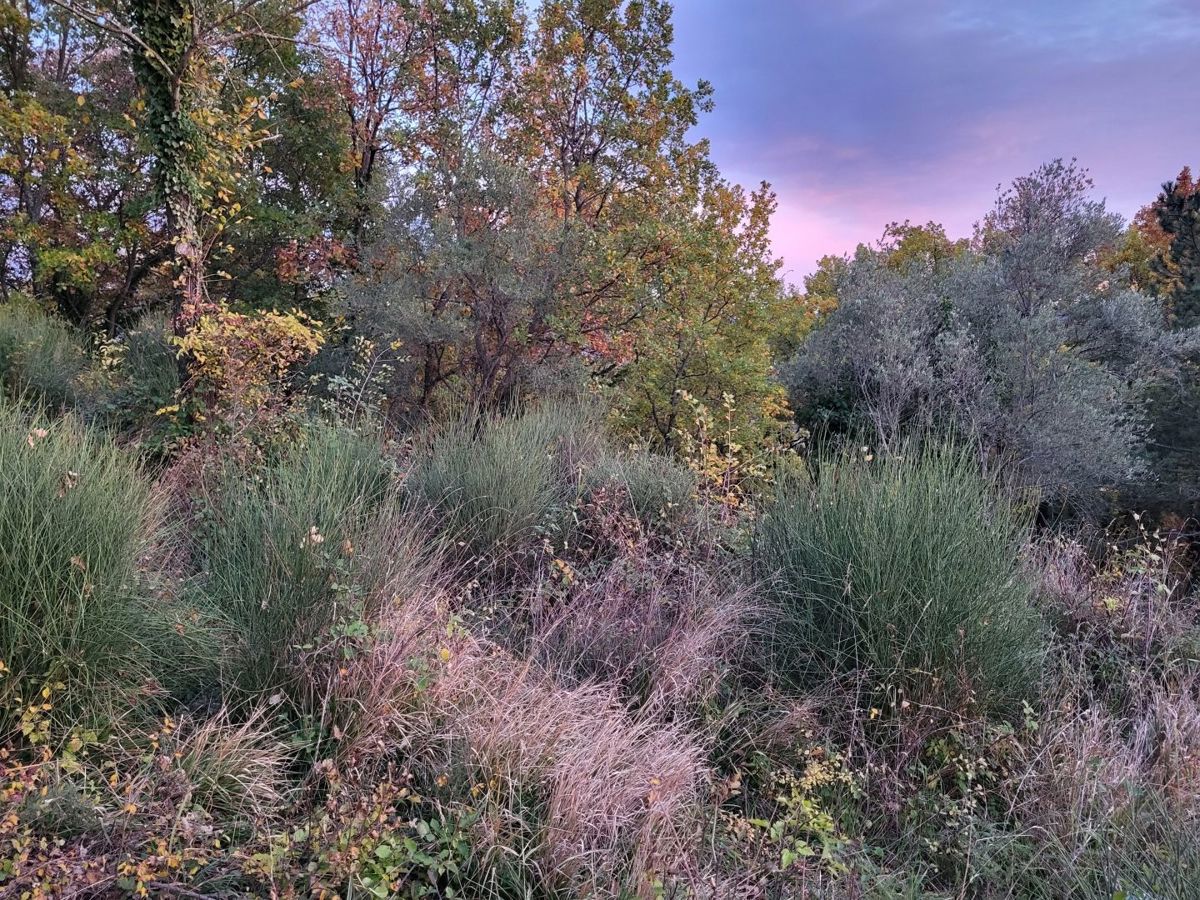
(41, 357)
(275, 555)
(661, 491)
(74, 512)
(497, 482)
(906, 569)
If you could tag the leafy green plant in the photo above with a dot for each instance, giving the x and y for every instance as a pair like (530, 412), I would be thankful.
(428, 860)
(906, 569)
(144, 378)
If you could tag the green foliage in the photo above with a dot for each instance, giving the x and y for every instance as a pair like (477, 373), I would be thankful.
(74, 515)
(141, 377)
(434, 851)
(719, 308)
(165, 67)
(1178, 268)
(499, 481)
(1171, 228)
(41, 357)
(278, 550)
(540, 688)
(1025, 345)
(907, 570)
(466, 302)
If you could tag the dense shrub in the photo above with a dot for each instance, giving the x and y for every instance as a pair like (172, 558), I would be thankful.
(144, 379)
(906, 569)
(498, 481)
(74, 515)
(278, 551)
(40, 356)
(1025, 342)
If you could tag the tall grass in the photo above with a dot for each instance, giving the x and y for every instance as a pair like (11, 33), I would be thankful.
(40, 356)
(661, 491)
(279, 553)
(74, 512)
(906, 569)
(497, 482)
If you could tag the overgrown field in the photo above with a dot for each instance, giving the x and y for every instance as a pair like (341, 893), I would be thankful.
(419, 477)
(507, 657)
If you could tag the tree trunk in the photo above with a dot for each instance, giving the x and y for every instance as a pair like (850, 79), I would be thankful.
(191, 299)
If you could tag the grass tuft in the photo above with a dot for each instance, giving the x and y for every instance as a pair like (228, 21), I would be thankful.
(74, 516)
(279, 552)
(496, 483)
(908, 570)
(41, 357)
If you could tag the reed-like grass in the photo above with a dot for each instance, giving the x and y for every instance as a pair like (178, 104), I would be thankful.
(906, 569)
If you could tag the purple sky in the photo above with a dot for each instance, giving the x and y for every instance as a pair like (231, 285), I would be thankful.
(862, 112)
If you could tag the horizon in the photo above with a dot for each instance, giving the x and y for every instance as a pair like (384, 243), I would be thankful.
(874, 112)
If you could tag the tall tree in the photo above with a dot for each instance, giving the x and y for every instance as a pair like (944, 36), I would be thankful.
(75, 174)
(1177, 210)
(180, 49)
(708, 334)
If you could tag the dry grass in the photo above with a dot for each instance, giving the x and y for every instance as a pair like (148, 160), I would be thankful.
(663, 632)
(600, 796)
(236, 767)
(1136, 598)
(575, 793)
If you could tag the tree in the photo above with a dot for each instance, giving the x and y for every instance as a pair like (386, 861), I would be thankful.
(1173, 223)
(1177, 266)
(1022, 344)
(606, 239)
(603, 125)
(179, 50)
(708, 333)
(75, 174)
(460, 282)
(419, 81)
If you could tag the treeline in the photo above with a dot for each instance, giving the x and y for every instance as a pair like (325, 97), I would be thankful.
(511, 197)
(493, 202)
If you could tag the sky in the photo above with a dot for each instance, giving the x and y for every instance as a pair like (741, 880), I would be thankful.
(864, 112)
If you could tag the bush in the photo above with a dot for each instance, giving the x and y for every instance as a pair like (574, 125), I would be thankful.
(73, 516)
(279, 553)
(146, 377)
(908, 570)
(497, 482)
(40, 356)
(1023, 340)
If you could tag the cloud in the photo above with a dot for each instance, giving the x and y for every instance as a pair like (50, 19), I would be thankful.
(870, 111)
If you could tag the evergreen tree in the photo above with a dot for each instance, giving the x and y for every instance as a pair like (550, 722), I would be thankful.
(1178, 211)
